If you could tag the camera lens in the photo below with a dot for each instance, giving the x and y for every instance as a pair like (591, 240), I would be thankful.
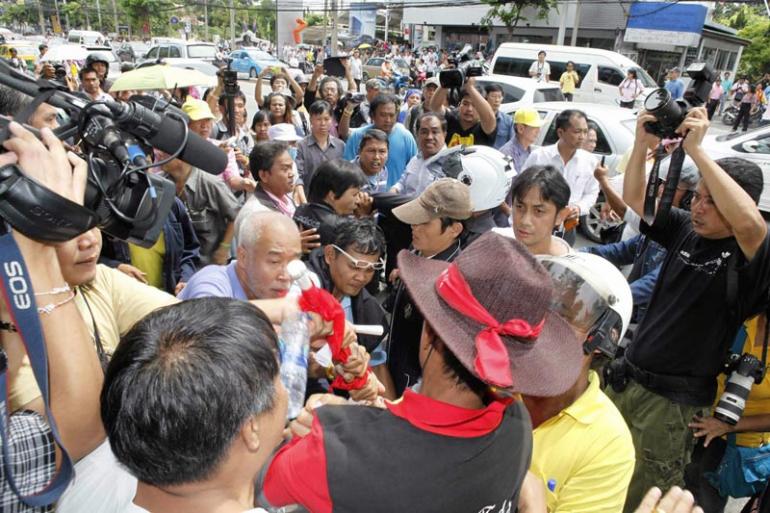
(733, 400)
(667, 111)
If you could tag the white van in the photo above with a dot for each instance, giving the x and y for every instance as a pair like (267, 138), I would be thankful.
(600, 71)
(86, 38)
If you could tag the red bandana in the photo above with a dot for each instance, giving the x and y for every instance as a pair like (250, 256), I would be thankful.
(492, 363)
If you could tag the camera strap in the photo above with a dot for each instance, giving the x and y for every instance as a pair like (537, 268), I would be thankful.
(651, 214)
(19, 296)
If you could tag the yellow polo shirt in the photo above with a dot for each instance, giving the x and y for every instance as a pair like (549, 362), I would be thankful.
(117, 302)
(568, 81)
(585, 455)
(758, 402)
(150, 260)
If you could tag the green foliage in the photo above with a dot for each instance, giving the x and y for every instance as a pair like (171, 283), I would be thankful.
(510, 12)
(755, 60)
(314, 19)
(15, 14)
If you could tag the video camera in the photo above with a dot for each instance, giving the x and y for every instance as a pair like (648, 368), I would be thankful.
(122, 197)
(455, 78)
(670, 113)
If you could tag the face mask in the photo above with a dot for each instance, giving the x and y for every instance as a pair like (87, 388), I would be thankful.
(293, 153)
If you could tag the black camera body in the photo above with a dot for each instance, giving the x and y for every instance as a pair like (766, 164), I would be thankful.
(744, 371)
(670, 113)
(455, 78)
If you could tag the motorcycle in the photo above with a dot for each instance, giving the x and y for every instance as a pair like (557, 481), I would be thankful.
(731, 113)
(399, 83)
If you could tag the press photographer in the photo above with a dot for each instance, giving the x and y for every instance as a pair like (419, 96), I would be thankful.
(472, 122)
(715, 275)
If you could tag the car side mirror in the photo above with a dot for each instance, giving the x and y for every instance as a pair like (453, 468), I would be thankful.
(750, 146)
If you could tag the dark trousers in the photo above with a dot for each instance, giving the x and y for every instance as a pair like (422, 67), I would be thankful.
(705, 459)
(568, 97)
(711, 108)
(743, 115)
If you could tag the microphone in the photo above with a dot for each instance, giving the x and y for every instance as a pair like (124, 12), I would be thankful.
(166, 133)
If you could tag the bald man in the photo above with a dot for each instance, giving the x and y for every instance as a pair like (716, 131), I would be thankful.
(267, 242)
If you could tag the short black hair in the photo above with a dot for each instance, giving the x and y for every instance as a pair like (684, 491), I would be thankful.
(541, 52)
(223, 98)
(360, 235)
(263, 155)
(493, 88)
(12, 101)
(426, 115)
(85, 70)
(746, 174)
(564, 119)
(336, 176)
(373, 134)
(446, 222)
(319, 107)
(182, 383)
(553, 187)
(380, 100)
(453, 367)
(260, 117)
(276, 77)
(326, 80)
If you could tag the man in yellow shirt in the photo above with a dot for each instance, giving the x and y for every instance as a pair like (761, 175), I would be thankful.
(582, 450)
(568, 81)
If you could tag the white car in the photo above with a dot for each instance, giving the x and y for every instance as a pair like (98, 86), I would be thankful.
(518, 91)
(615, 129)
(753, 145)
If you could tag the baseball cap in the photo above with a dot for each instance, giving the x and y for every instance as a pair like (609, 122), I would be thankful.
(446, 197)
(283, 132)
(528, 117)
(197, 109)
(432, 81)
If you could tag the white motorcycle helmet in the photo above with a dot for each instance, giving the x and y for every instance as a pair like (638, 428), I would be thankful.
(593, 296)
(487, 172)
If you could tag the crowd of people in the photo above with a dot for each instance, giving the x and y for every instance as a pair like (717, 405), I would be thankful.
(504, 376)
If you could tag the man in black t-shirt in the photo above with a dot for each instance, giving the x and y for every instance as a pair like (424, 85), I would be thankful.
(682, 342)
(472, 122)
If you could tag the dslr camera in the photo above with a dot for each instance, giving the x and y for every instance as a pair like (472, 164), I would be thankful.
(744, 370)
(455, 78)
(669, 113)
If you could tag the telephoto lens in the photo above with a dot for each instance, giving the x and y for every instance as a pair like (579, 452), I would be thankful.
(733, 400)
(668, 113)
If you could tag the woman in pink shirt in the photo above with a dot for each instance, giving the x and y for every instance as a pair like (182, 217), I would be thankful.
(715, 97)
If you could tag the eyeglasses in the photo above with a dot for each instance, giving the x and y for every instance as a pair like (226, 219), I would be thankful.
(362, 264)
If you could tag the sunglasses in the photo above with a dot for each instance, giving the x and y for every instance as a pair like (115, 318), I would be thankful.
(362, 264)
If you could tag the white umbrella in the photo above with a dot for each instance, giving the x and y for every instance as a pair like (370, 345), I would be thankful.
(66, 52)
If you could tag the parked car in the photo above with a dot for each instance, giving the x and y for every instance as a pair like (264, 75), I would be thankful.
(373, 67)
(132, 51)
(86, 38)
(180, 49)
(600, 71)
(251, 61)
(753, 145)
(614, 137)
(518, 91)
(203, 67)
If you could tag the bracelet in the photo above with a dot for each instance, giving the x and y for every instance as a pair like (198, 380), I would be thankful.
(330, 373)
(225, 245)
(8, 326)
(50, 307)
(54, 291)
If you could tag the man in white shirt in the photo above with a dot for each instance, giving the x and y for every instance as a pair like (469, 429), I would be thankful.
(540, 70)
(194, 405)
(575, 163)
(423, 169)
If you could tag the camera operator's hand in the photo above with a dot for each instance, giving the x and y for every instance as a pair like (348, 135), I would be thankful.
(470, 84)
(46, 162)
(675, 501)
(643, 138)
(709, 427)
(695, 126)
(318, 70)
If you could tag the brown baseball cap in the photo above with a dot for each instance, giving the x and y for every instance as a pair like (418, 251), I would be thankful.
(446, 197)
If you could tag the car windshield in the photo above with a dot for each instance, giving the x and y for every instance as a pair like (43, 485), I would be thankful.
(730, 136)
(201, 51)
(550, 94)
(259, 55)
(401, 63)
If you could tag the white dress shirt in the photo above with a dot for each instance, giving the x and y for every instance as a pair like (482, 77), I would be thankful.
(578, 172)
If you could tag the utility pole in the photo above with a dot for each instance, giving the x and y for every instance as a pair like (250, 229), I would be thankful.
(99, 14)
(66, 16)
(326, 9)
(115, 16)
(334, 28)
(232, 26)
(205, 17)
(41, 17)
(88, 18)
(387, 21)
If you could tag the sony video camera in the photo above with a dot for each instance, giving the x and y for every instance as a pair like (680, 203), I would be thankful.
(670, 113)
(455, 78)
(744, 370)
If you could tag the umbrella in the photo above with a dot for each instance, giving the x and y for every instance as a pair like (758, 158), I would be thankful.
(65, 52)
(364, 46)
(161, 76)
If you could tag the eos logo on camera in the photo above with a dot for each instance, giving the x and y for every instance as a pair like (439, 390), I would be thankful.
(18, 285)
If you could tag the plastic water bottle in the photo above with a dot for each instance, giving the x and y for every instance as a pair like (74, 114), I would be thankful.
(296, 346)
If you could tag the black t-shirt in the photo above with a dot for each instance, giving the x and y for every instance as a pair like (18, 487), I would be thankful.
(688, 327)
(456, 135)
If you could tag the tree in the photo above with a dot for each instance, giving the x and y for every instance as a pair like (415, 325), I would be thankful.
(752, 24)
(510, 12)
